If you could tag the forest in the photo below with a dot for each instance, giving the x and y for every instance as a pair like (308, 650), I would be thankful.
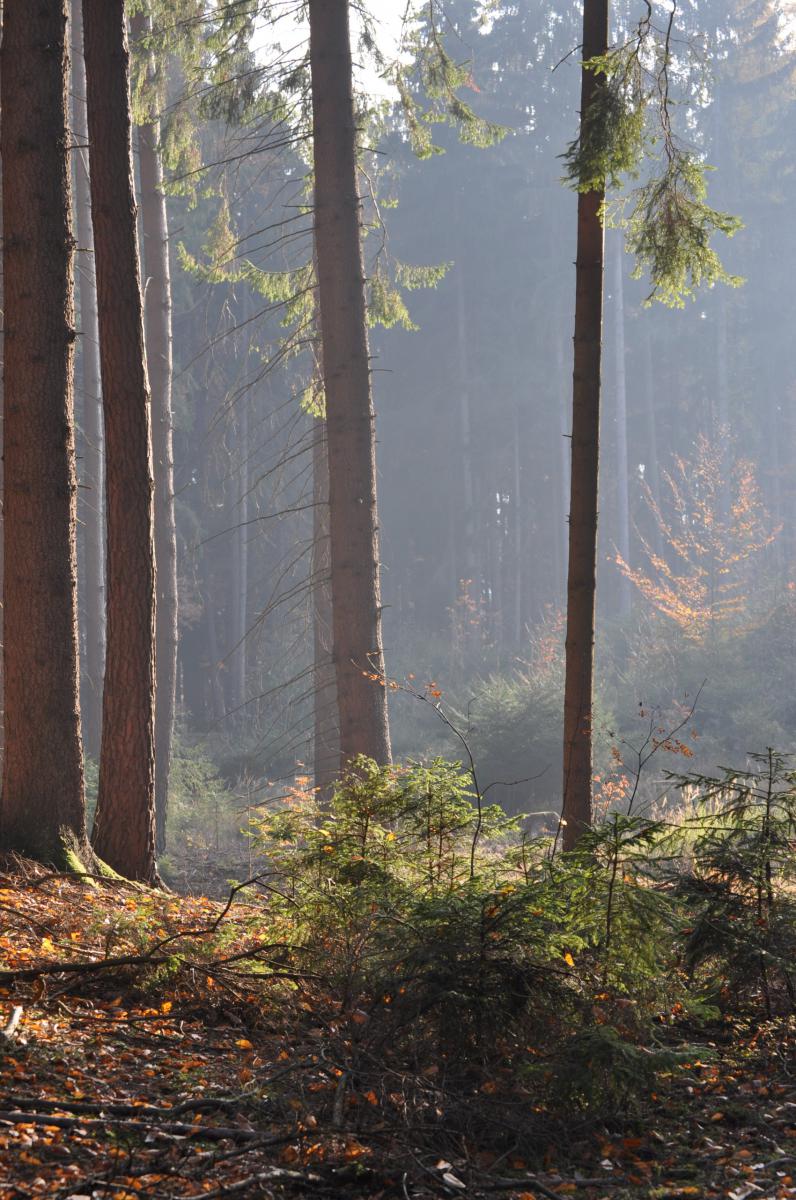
(398, 617)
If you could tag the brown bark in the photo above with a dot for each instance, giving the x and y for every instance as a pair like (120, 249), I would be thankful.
(326, 739)
(124, 828)
(581, 577)
(2, 335)
(42, 794)
(353, 527)
(158, 327)
(91, 502)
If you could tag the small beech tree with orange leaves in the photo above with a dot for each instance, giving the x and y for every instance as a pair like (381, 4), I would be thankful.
(713, 527)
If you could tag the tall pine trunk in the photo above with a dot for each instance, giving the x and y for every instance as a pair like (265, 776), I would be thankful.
(42, 796)
(124, 827)
(353, 526)
(158, 327)
(2, 336)
(581, 576)
(91, 507)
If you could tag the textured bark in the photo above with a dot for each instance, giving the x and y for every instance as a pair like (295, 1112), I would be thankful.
(581, 576)
(43, 769)
(353, 527)
(622, 479)
(91, 493)
(2, 335)
(326, 739)
(124, 827)
(158, 326)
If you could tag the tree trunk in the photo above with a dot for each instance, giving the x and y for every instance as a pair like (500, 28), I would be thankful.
(326, 739)
(564, 417)
(92, 483)
(653, 476)
(620, 382)
(354, 541)
(581, 577)
(124, 827)
(42, 797)
(2, 336)
(518, 557)
(465, 439)
(158, 326)
(239, 620)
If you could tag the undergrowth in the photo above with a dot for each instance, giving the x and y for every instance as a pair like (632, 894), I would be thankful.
(524, 983)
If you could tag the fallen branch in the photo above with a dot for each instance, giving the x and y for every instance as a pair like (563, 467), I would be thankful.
(270, 1175)
(210, 1133)
(25, 974)
(119, 1109)
(531, 1181)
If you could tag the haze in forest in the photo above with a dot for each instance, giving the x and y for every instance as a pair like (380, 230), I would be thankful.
(466, 116)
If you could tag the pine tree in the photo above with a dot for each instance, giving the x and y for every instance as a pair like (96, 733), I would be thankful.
(350, 418)
(42, 805)
(124, 827)
(158, 322)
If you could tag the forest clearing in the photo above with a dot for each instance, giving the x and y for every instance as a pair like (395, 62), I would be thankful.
(398, 599)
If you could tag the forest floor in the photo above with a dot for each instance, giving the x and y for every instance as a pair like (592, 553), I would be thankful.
(142, 1058)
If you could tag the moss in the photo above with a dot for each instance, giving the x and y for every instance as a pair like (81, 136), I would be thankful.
(74, 856)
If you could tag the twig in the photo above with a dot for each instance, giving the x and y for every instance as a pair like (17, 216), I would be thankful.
(116, 1108)
(209, 1133)
(270, 1175)
(532, 1181)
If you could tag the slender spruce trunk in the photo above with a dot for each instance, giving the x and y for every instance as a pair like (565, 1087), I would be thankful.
(124, 826)
(652, 470)
(564, 418)
(465, 438)
(42, 805)
(581, 576)
(353, 525)
(214, 703)
(239, 582)
(91, 496)
(326, 736)
(517, 565)
(158, 330)
(620, 383)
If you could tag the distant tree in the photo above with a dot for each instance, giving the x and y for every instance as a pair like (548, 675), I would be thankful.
(42, 798)
(158, 328)
(350, 418)
(713, 525)
(326, 739)
(91, 494)
(124, 828)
